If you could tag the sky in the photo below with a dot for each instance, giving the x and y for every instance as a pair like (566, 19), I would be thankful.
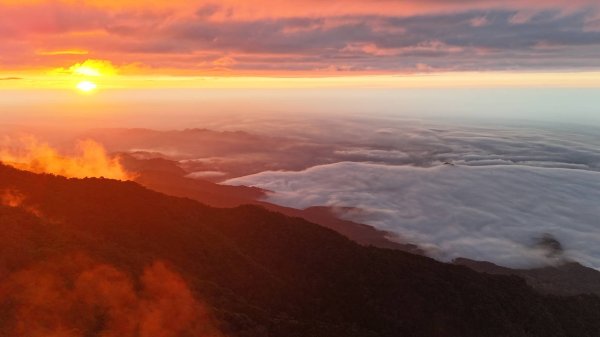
(266, 43)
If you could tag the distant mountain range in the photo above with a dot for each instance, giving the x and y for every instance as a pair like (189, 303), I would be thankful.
(195, 270)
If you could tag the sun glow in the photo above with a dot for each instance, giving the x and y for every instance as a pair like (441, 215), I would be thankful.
(94, 68)
(86, 86)
(86, 71)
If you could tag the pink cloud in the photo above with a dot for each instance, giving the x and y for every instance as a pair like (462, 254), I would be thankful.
(346, 35)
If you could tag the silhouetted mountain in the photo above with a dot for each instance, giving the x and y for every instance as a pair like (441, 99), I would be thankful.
(259, 273)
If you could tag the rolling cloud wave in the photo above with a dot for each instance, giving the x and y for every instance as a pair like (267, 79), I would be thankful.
(495, 213)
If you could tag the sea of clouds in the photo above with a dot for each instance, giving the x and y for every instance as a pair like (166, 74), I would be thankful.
(486, 193)
(494, 213)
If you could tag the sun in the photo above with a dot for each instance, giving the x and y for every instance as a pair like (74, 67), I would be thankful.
(86, 86)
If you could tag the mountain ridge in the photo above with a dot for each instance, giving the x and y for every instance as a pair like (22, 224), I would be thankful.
(261, 273)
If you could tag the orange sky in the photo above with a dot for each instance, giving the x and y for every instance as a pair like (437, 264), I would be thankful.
(165, 41)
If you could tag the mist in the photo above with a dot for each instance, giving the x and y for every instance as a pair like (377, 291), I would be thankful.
(253, 108)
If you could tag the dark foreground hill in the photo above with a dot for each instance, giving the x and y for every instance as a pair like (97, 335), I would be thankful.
(97, 257)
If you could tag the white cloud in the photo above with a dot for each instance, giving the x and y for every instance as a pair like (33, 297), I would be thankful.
(494, 213)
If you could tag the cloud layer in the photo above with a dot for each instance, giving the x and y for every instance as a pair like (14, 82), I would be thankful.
(308, 36)
(494, 213)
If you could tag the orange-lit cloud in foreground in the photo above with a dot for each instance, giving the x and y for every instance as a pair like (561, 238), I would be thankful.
(89, 160)
(74, 296)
